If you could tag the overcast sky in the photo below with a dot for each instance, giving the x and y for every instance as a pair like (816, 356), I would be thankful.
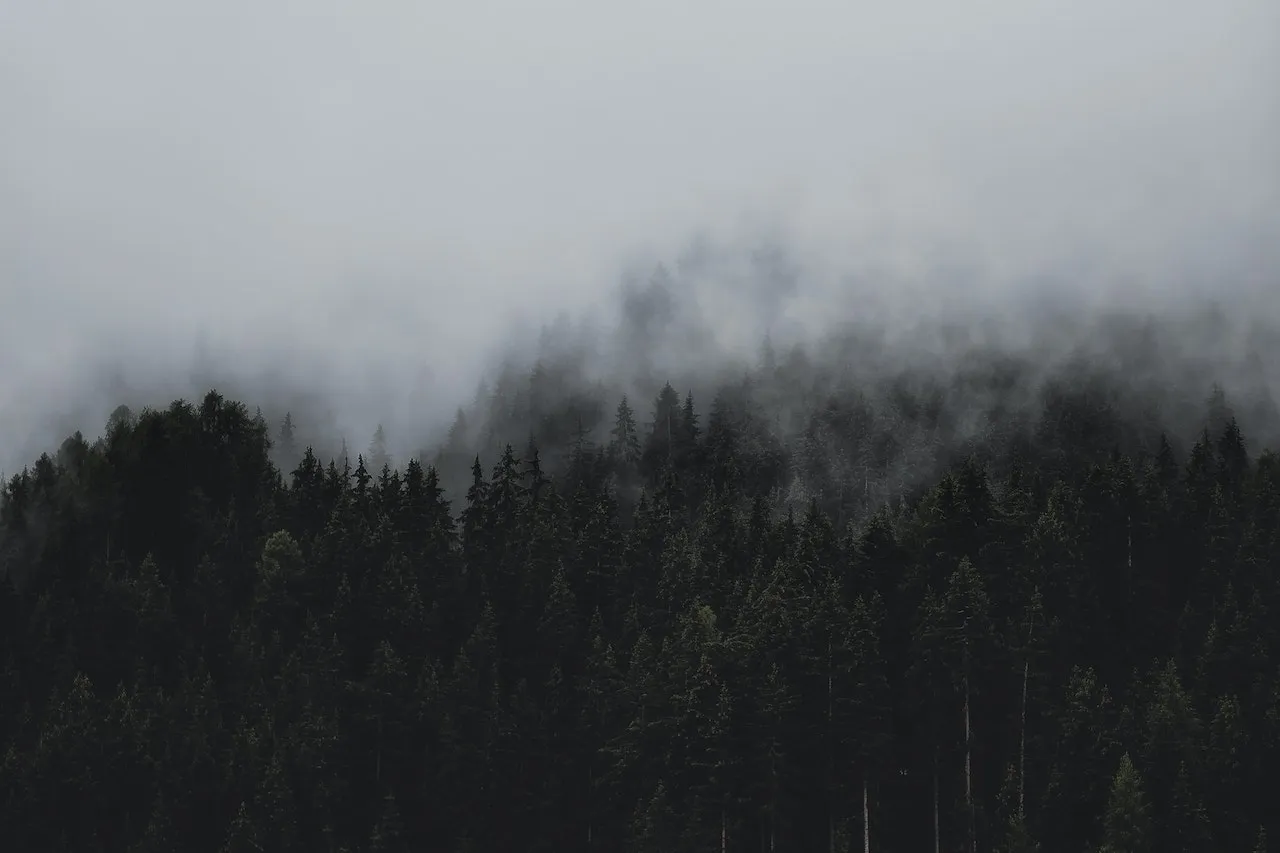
(342, 189)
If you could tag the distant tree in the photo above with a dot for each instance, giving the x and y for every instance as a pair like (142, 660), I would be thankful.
(624, 444)
(378, 456)
(664, 433)
(287, 446)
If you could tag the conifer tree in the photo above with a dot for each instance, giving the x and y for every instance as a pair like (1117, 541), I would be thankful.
(1127, 820)
(624, 443)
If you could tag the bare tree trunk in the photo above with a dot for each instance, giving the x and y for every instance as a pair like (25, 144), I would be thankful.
(1022, 746)
(866, 816)
(724, 831)
(1130, 550)
(773, 805)
(937, 835)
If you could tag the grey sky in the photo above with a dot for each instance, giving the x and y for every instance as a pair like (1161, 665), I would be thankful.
(343, 189)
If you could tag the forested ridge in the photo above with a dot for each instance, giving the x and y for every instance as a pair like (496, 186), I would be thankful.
(798, 615)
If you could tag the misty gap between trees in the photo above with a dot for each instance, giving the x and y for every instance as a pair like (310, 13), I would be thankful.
(849, 596)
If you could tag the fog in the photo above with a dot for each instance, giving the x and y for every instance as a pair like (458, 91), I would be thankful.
(355, 208)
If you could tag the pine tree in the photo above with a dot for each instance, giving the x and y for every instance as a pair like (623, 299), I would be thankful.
(1084, 750)
(378, 456)
(288, 443)
(686, 443)
(664, 433)
(558, 628)
(1127, 820)
(624, 444)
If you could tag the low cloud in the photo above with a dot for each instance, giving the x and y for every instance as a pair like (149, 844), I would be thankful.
(353, 207)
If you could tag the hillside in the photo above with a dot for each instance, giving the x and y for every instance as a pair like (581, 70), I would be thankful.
(702, 631)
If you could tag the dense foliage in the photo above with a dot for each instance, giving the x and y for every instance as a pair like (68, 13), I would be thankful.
(826, 621)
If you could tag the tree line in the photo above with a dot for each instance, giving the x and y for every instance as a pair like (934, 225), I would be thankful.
(680, 630)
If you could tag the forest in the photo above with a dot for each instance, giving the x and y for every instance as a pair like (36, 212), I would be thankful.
(804, 609)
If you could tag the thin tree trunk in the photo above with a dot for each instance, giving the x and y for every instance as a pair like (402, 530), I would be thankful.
(866, 816)
(937, 835)
(1022, 746)
(724, 831)
(1130, 531)
(773, 805)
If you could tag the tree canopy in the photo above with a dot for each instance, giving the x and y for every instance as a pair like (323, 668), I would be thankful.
(867, 632)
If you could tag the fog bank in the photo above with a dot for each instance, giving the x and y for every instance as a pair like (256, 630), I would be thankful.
(348, 209)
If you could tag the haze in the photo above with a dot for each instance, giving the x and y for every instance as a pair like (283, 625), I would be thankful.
(358, 201)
